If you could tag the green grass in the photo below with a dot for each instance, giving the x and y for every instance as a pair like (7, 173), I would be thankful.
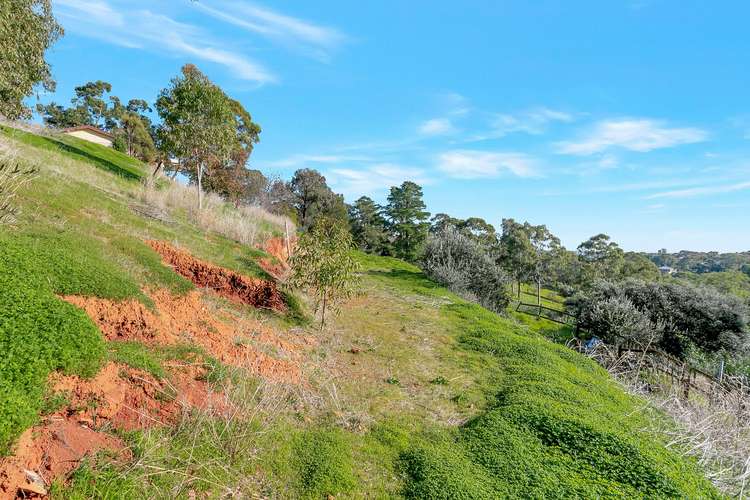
(79, 149)
(76, 235)
(38, 331)
(514, 415)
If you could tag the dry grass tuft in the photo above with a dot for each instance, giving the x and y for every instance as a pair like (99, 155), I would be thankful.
(714, 430)
(248, 225)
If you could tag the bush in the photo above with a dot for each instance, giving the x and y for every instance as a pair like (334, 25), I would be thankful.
(689, 316)
(615, 319)
(462, 265)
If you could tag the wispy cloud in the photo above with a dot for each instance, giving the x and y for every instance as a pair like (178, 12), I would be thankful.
(472, 164)
(311, 38)
(371, 179)
(701, 191)
(632, 134)
(301, 160)
(140, 24)
(436, 126)
(533, 121)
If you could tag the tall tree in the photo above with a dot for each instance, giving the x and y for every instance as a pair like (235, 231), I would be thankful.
(314, 199)
(136, 136)
(368, 225)
(198, 123)
(517, 255)
(27, 30)
(323, 264)
(407, 219)
(604, 257)
(89, 98)
(546, 247)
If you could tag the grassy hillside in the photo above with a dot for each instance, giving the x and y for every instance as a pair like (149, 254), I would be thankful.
(410, 392)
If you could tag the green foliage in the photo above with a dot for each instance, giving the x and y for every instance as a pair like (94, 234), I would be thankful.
(368, 226)
(462, 265)
(407, 220)
(202, 127)
(603, 257)
(92, 480)
(38, 331)
(156, 272)
(322, 464)
(314, 200)
(136, 355)
(703, 262)
(324, 266)
(683, 316)
(559, 428)
(27, 30)
(732, 282)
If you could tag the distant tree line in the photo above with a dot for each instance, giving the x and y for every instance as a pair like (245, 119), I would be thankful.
(703, 262)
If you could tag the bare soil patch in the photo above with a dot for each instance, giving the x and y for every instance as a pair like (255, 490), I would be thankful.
(252, 291)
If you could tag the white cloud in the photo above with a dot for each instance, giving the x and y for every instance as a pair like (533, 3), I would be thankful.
(633, 134)
(315, 39)
(436, 126)
(300, 160)
(356, 182)
(147, 30)
(533, 121)
(701, 191)
(472, 164)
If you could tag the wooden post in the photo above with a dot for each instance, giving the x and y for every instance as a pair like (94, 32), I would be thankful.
(286, 231)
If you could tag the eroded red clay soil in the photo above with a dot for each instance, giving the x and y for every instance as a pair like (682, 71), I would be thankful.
(278, 265)
(118, 397)
(124, 398)
(255, 292)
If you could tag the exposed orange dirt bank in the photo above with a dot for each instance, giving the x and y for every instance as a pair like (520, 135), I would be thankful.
(120, 397)
(278, 265)
(255, 292)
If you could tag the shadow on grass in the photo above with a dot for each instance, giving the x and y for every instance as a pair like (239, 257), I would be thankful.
(50, 143)
(91, 158)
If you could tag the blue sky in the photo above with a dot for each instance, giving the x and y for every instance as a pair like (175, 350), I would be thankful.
(625, 117)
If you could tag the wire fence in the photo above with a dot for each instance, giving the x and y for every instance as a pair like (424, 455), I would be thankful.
(653, 360)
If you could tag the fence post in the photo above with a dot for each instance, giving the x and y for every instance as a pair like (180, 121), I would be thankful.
(286, 232)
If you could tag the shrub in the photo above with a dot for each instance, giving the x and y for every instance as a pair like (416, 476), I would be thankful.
(12, 177)
(688, 315)
(615, 319)
(462, 265)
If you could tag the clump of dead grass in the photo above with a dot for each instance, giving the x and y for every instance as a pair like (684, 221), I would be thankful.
(712, 428)
(245, 224)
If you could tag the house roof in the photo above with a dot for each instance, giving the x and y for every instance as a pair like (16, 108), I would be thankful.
(89, 128)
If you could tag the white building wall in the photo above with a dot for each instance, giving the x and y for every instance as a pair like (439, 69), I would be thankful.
(91, 137)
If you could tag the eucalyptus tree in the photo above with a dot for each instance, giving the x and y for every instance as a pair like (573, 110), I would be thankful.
(27, 30)
(198, 123)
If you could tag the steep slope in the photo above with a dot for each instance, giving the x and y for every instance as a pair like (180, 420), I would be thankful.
(410, 391)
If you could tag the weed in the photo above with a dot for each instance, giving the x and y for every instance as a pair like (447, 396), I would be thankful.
(439, 381)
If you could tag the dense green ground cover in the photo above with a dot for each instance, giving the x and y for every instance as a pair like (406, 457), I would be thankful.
(77, 236)
(442, 399)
